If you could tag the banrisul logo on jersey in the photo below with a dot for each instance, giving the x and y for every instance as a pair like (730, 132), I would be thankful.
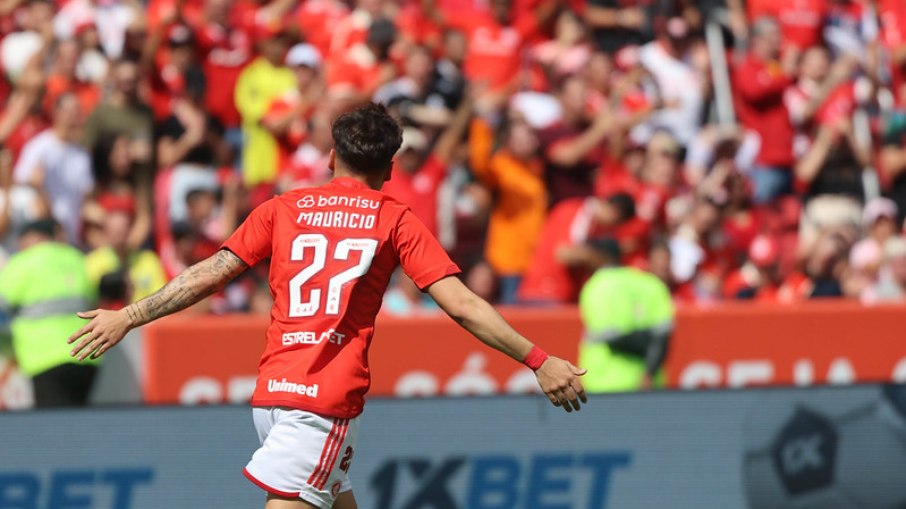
(499, 481)
(354, 202)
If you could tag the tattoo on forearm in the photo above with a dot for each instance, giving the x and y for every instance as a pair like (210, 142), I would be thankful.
(190, 286)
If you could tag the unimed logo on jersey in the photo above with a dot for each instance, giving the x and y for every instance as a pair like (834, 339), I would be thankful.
(301, 389)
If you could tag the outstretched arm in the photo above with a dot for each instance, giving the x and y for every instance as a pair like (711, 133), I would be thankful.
(558, 378)
(107, 328)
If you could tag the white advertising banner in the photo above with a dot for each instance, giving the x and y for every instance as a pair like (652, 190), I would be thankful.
(828, 448)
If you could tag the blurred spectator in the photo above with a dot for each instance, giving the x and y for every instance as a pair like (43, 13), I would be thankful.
(759, 82)
(122, 112)
(307, 166)
(224, 48)
(354, 29)
(120, 182)
(760, 277)
(863, 275)
(449, 78)
(111, 18)
(172, 75)
(831, 172)
(412, 94)
(93, 63)
(879, 220)
(562, 261)
(515, 174)
(698, 254)
(801, 21)
(574, 146)
(355, 75)
(20, 47)
(568, 52)
(262, 81)
(497, 37)
(892, 18)
(142, 269)
(289, 115)
(42, 287)
(682, 84)
(891, 283)
(850, 28)
(627, 316)
(23, 116)
(825, 265)
(420, 169)
(54, 163)
(807, 99)
(318, 20)
(65, 78)
(892, 159)
(192, 144)
(20, 204)
(620, 23)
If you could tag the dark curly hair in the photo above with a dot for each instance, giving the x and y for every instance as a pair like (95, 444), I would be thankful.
(367, 138)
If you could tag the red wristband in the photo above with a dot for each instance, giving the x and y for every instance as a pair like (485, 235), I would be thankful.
(535, 358)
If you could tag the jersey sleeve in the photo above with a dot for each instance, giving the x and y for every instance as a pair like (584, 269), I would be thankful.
(251, 242)
(422, 257)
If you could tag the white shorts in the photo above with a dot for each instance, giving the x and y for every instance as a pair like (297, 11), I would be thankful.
(302, 455)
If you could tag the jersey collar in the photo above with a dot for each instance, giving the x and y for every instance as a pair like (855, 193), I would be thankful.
(349, 183)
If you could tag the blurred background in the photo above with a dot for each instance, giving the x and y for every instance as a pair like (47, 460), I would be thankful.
(677, 194)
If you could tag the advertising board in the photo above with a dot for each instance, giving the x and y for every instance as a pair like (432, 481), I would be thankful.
(829, 448)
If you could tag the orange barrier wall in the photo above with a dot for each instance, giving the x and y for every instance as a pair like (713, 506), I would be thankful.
(213, 359)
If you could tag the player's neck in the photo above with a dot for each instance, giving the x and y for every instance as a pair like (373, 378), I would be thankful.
(374, 182)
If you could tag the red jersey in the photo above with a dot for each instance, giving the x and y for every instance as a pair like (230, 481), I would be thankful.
(801, 21)
(225, 52)
(333, 249)
(547, 280)
(419, 190)
(759, 88)
(494, 51)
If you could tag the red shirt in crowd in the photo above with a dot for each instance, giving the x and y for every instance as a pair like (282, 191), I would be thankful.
(224, 52)
(494, 52)
(571, 223)
(166, 83)
(358, 70)
(801, 21)
(759, 88)
(333, 250)
(297, 130)
(419, 189)
(892, 14)
(318, 20)
(418, 28)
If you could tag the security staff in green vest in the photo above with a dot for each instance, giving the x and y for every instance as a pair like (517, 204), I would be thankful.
(628, 320)
(41, 288)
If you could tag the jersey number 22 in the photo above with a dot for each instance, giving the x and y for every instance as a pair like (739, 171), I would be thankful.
(315, 246)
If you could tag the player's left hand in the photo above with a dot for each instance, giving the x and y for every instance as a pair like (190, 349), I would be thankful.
(559, 380)
(103, 332)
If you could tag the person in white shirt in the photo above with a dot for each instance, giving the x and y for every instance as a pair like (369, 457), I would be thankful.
(56, 163)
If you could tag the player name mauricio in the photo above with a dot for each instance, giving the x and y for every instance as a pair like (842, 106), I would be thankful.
(338, 219)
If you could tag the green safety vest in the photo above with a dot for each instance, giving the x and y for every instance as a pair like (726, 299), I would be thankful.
(614, 302)
(43, 287)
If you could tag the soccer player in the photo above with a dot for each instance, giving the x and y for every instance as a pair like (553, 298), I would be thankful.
(332, 250)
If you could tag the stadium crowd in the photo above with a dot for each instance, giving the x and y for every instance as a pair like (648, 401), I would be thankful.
(765, 161)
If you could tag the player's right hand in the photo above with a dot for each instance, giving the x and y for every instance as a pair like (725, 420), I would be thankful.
(559, 380)
(103, 332)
